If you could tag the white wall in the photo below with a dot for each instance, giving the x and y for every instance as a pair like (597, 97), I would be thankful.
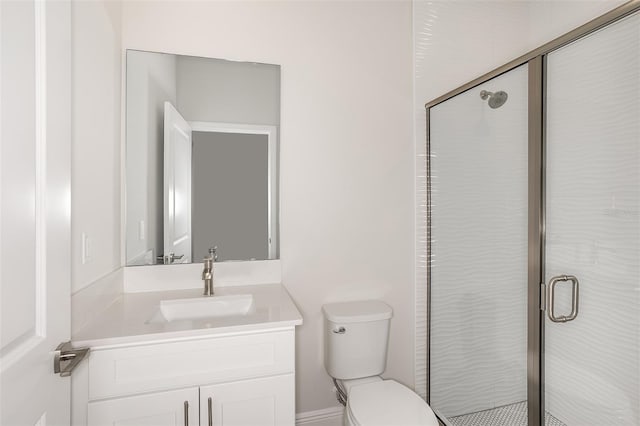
(151, 80)
(228, 92)
(455, 42)
(95, 205)
(346, 150)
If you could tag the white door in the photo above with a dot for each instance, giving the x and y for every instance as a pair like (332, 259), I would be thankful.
(172, 408)
(177, 187)
(35, 209)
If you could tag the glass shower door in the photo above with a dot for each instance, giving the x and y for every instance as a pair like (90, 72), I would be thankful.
(592, 259)
(478, 331)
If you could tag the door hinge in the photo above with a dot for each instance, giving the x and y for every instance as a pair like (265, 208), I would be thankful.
(66, 358)
(543, 297)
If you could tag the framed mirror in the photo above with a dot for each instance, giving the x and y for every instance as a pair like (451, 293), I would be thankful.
(201, 159)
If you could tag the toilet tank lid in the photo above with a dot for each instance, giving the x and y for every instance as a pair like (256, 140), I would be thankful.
(361, 311)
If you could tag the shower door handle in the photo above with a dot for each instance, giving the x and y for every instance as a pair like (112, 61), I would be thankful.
(575, 293)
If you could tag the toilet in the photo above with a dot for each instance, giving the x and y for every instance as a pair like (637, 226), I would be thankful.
(355, 354)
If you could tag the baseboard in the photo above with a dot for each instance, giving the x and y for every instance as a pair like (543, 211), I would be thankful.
(326, 415)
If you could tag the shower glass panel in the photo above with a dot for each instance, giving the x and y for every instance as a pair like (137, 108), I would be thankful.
(592, 363)
(478, 348)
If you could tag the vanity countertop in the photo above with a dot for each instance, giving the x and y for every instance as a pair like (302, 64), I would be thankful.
(127, 320)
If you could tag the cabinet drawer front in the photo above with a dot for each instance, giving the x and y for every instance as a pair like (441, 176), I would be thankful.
(174, 408)
(125, 371)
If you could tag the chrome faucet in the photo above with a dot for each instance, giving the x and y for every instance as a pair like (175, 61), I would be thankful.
(207, 272)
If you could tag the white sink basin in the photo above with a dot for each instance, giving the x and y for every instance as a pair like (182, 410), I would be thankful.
(206, 307)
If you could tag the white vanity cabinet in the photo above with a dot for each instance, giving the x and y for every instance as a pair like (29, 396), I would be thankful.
(243, 378)
(263, 401)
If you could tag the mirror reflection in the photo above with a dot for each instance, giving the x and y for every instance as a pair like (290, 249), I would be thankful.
(201, 159)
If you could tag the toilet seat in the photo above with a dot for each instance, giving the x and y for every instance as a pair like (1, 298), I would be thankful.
(387, 403)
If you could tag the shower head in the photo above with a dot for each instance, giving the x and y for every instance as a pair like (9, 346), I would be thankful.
(496, 100)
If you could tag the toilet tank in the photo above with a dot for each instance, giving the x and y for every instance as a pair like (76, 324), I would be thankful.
(355, 338)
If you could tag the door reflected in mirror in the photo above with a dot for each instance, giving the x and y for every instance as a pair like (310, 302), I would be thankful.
(201, 159)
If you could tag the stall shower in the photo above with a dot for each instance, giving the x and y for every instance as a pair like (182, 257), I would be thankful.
(534, 236)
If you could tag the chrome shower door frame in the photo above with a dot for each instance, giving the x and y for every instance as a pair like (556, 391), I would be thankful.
(536, 60)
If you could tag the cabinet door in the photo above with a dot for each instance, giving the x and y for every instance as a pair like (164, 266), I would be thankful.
(173, 408)
(265, 401)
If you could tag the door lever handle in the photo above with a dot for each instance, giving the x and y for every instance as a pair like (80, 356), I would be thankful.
(169, 258)
(66, 358)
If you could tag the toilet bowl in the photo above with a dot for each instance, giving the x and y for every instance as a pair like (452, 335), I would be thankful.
(386, 403)
(356, 338)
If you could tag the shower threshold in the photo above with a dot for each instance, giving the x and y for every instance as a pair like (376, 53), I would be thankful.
(507, 415)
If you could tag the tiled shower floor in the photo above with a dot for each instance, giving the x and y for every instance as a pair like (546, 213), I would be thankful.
(508, 415)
